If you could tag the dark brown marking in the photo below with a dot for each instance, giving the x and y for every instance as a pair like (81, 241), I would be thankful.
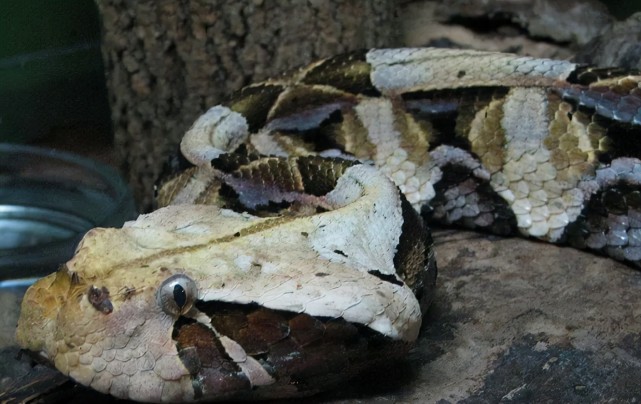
(270, 173)
(503, 218)
(450, 112)
(297, 349)
(197, 337)
(620, 104)
(230, 162)
(622, 139)
(213, 372)
(586, 75)
(189, 356)
(175, 164)
(99, 299)
(271, 325)
(603, 211)
(319, 175)
(412, 252)
(255, 102)
(303, 98)
(386, 277)
(305, 329)
(255, 331)
(348, 72)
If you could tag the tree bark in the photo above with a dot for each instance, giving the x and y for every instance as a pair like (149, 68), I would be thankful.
(169, 61)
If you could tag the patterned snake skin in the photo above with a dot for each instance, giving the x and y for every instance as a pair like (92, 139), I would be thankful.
(282, 260)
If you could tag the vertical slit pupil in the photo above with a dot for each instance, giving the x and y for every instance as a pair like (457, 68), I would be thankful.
(180, 296)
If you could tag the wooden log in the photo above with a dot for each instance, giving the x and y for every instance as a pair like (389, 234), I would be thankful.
(168, 61)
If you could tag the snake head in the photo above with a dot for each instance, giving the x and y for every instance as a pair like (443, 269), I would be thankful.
(195, 302)
(103, 326)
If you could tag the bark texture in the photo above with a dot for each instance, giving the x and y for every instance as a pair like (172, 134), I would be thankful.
(169, 61)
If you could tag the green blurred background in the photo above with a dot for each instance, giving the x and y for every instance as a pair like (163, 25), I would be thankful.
(51, 72)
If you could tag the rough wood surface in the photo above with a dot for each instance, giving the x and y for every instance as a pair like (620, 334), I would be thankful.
(168, 61)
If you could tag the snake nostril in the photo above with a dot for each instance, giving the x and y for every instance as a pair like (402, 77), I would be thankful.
(99, 299)
(177, 294)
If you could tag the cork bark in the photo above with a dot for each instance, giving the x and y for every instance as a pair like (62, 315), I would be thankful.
(169, 61)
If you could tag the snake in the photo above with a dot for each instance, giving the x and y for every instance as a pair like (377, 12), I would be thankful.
(290, 251)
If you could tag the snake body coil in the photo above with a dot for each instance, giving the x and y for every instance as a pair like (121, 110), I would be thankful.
(283, 259)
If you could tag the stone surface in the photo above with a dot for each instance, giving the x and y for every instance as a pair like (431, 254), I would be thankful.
(545, 28)
(617, 46)
(517, 321)
(521, 321)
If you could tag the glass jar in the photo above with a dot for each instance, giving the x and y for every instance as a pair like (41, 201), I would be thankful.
(48, 201)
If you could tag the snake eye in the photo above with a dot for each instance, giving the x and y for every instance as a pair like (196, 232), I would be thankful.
(177, 294)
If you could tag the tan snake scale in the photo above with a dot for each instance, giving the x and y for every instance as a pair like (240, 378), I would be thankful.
(283, 260)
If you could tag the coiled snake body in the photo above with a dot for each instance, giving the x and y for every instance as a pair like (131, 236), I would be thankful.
(284, 260)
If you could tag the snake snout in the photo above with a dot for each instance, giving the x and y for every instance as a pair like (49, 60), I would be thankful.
(39, 310)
